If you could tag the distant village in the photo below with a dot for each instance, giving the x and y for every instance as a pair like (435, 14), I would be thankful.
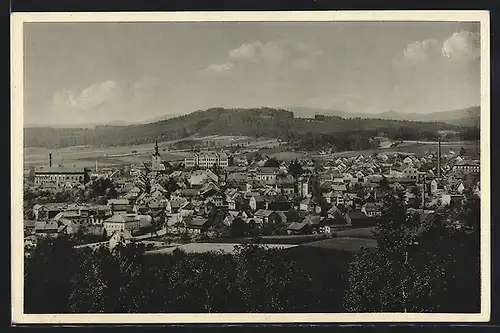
(218, 194)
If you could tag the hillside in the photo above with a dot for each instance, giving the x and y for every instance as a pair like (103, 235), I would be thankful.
(461, 117)
(263, 122)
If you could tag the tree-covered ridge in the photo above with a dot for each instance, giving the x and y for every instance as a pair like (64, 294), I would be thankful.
(263, 122)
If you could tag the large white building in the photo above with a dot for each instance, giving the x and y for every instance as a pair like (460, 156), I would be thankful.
(207, 160)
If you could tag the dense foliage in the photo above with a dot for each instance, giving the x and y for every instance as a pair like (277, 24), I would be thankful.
(263, 122)
(61, 279)
(417, 266)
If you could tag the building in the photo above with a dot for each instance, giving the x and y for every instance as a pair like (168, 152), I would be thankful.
(207, 160)
(121, 223)
(156, 164)
(467, 167)
(51, 174)
(267, 175)
(358, 219)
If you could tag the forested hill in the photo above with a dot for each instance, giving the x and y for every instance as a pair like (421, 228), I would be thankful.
(263, 122)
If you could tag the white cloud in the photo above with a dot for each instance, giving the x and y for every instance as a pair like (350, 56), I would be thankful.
(89, 98)
(270, 55)
(219, 68)
(463, 45)
(459, 48)
(422, 51)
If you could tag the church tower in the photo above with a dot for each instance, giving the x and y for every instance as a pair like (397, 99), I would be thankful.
(156, 164)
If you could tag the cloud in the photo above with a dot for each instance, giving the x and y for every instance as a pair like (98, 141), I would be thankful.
(459, 48)
(270, 55)
(222, 68)
(463, 45)
(89, 98)
(422, 51)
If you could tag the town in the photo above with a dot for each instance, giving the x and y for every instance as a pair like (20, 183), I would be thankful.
(225, 195)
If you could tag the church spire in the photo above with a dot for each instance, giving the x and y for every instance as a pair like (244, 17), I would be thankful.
(156, 148)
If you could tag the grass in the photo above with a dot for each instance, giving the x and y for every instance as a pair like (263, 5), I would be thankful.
(471, 147)
(357, 233)
(281, 239)
(346, 244)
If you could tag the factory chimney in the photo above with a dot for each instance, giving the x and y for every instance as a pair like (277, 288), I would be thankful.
(439, 159)
(423, 194)
(50, 160)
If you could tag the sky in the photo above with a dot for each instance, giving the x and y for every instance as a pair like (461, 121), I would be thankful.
(77, 73)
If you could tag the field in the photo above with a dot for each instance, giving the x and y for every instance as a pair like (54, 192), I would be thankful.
(291, 240)
(346, 244)
(210, 247)
(411, 147)
(86, 156)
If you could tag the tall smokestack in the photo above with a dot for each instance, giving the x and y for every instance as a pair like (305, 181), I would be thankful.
(50, 160)
(439, 159)
(423, 195)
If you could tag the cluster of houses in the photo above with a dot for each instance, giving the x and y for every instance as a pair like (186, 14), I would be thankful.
(326, 194)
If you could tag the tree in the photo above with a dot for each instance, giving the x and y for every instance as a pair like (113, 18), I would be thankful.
(47, 276)
(413, 268)
(171, 185)
(462, 151)
(295, 169)
(157, 222)
(238, 228)
(384, 184)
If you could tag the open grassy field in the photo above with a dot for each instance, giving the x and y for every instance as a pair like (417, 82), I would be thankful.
(86, 156)
(357, 233)
(282, 239)
(347, 244)
(411, 147)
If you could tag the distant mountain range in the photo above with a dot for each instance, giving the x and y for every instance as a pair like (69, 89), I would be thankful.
(462, 117)
(92, 125)
(262, 122)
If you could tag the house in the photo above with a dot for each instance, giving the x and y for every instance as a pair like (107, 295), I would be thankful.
(339, 188)
(196, 225)
(358, 219)
(296, 228)
(47, 211)
(313, 220)
(69, 227)
(306, 204)
(467, 167)
(280, 203)
(120, 206)
(120, 236)
(452, 199)
(173, 206)
(267, 175)
(263, 215)
(257, 201)
(121, 222)
(198, 178)
(410, 173)
(371, 210)
(49, 174)
(288, 189)
(46, 228)
(217, 200)
(29, 226)
(408, 161)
